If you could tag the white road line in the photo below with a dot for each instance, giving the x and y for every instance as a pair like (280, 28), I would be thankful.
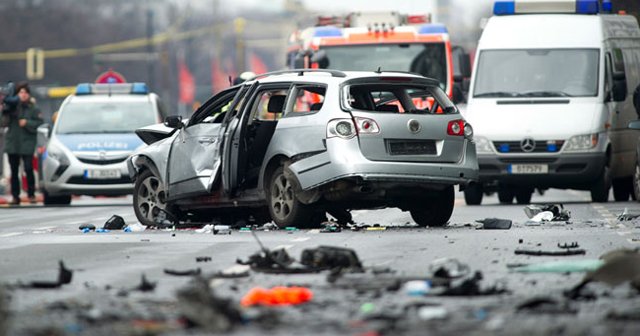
(286, 247)
(44, 228)
(301, 239)
(10, 234)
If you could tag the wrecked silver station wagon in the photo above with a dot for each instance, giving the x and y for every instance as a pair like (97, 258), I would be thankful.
(291, 146)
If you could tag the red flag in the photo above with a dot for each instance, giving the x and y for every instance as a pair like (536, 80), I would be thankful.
(257, 65)
(187, 84)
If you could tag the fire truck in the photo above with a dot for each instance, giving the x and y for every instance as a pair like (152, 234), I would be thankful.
(386, 41)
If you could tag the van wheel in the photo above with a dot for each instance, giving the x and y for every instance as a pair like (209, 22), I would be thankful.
(622, 189)
(149, 199)
(505, 195)
(55, 200)
(435, 211)
(601, 186)
(473, 194)
(285, 209)
(523, 195)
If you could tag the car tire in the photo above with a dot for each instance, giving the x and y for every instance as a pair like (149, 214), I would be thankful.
(436, 211)
(601, 186)
(285, 208)
(149, 203)
(473, 194)
(48, 199)
(523, 195)
(505, 195)
(622, 189)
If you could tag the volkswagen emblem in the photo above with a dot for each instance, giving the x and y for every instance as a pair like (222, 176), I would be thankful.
(527, 145)
(414, 126)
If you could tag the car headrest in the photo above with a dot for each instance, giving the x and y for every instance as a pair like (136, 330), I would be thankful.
(276, 104)
(315, 107)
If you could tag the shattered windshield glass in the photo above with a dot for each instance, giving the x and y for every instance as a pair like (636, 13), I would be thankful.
(537, 73)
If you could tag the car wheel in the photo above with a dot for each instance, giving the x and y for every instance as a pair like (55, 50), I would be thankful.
(48, 199)
(505, 195)
(435, 212)
(285, 209)
(149, 202)
(622, 189)
(601, 186)
(473, 194)
(523, 195)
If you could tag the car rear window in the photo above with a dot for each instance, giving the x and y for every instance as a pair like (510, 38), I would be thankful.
(398, 98)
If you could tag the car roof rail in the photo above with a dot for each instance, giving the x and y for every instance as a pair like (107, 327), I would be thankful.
(300, 72)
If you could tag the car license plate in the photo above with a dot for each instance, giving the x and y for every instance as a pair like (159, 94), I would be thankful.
(528, 169)
(102, 174)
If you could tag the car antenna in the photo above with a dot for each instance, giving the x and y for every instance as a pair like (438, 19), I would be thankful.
(230, 81)
(379, 69)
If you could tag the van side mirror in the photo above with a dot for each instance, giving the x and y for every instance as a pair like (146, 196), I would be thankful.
(461, 64)
(619, 90)
(174, 121)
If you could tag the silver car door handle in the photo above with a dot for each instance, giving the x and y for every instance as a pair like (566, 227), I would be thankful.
(207, 141)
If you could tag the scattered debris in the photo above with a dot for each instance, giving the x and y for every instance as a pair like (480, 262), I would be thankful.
(566, 252)
(417, 287)
(545, 305)
(628, 216)
(203, 259)
(331, 258)
(569, 245)
(190, 272)
(427, 313)
(221, 229)
(495, 223)
(87, 227)
(137, 227)
(277, 296)
(545, 216)
(200, 307)
(205, 229)
(64, 277)
(449, 268)
(145, 285)
(330, 227)
(558, 212)
(559, 266)
(114, 223)
(270, 227)
(471, 287)
(619, 266)
(628, 315)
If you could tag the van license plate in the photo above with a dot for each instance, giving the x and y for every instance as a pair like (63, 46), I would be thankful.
(528, 169)
(102, 174)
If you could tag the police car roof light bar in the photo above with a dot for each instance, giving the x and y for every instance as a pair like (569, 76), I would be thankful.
(510, 7)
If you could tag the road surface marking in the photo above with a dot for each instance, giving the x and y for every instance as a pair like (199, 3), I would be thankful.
(11, 234)
(297, 240)
(284, 247)
(44, 228)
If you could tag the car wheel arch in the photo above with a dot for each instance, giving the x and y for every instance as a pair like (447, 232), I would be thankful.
(143, 163)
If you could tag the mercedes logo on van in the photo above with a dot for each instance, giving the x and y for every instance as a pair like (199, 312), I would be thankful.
(414, 126)
(102, 155)
(527, 145)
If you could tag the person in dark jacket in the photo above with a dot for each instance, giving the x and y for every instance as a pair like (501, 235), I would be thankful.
(23, 118)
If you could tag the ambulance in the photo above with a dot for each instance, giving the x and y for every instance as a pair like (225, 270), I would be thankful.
(388, 41)
(550, 100)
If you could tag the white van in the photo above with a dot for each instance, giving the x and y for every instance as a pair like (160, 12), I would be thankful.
(550, 100)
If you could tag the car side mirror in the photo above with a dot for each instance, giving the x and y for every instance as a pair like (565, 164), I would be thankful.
(619, 90)
(634, 124)
(174, 121)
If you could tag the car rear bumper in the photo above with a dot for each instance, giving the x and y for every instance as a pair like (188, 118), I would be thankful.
(575, 171)
(347, 161)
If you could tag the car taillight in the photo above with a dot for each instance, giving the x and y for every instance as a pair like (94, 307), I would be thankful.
(366, 125)
(456, 127)
(342, 128)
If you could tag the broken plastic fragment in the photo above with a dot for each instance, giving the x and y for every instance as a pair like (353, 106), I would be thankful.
(495, 223)
(277, 296)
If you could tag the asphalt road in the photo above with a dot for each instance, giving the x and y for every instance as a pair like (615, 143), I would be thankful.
(108, 267)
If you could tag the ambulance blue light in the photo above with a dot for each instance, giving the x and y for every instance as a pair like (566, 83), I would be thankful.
(552, 148)
(327, 32)
(504, 7)
(83, 89)
(607, 6)
(587, 6)
(433, 29)
(139, 88)
(504, 148)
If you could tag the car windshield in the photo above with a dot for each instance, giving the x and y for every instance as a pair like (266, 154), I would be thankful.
(537, 73)
(398, 98)
(105, 117)
(428, 59)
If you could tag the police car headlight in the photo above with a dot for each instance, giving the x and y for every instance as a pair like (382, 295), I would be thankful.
(57, 154)
(483, 145)
(581, 143)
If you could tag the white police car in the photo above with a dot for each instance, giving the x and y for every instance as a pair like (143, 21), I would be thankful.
(92, 137)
